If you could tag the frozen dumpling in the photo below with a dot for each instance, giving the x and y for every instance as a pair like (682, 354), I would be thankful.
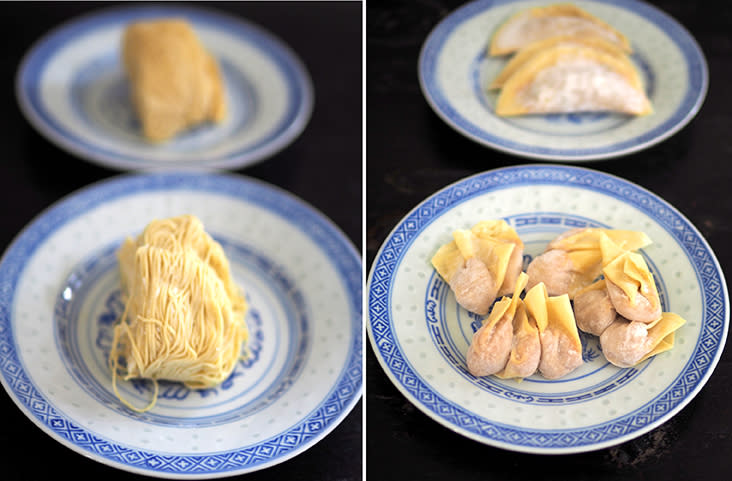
(492, 345)
(626, 343)
(523, 360)
(175, 84)
(593, 310)
(631, 288)
(574, 259)
(500, 230)
(532, 49)
(539, 23)
(477, 262)
(566, 79)
(561, 348)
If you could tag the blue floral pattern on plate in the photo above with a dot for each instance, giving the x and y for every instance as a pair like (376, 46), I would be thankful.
(71, 246)
(422, 348)
(71, 87)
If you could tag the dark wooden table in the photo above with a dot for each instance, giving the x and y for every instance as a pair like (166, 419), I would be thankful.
(323, 166)
(411, 153)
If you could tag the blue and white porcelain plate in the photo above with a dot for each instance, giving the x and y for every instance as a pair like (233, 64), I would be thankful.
(454, 71)
(60, 295)
(420, 334)
(71, 87)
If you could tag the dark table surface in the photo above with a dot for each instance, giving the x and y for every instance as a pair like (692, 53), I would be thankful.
(323, 166)
(411, 153)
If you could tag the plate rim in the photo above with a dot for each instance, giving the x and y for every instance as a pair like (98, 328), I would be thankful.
(60, 137)
(181, 180)
(557, 154)
(525, 448)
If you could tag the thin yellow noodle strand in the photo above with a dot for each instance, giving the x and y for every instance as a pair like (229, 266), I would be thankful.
(184, 316)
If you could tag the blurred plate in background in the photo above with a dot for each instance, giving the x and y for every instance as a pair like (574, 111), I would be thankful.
(454, 72)
(71, 87)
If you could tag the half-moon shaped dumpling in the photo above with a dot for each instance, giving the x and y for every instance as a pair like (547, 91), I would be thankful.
(573, 79)
(476, 264)
(539, 23)
(527, 52)
(561, 348)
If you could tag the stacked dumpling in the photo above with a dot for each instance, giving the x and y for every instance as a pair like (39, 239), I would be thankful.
(622, 307)
(566, 60)
(521, 336)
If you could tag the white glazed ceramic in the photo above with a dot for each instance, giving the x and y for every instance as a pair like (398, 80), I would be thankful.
(420, 334)
(60, 296)
(454, 72)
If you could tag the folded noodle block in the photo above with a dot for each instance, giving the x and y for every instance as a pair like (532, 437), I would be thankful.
(573, 79)
(175, 83)
(540, 23)
(184, 316)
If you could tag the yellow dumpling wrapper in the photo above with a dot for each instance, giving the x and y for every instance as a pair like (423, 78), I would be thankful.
(666, 344)
(555, 312)
(174, 82)
(565, 79)
(630, 273)
(506, 306)
(587, 262)
(598, 285)
(592, 238)
(587, 250)
(584, 248)
(523, 327)
(495, 254)
(447, 260)
(497, 229)
(662, 332)
(539, 23)
(530, 50)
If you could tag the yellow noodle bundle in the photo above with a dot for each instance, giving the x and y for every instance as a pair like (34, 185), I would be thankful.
(184, 316)
(174, 82)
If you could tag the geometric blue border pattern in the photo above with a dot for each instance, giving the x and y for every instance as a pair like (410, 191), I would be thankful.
(332, 409)
(690, 104)
(293, 72)
(715, 312)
